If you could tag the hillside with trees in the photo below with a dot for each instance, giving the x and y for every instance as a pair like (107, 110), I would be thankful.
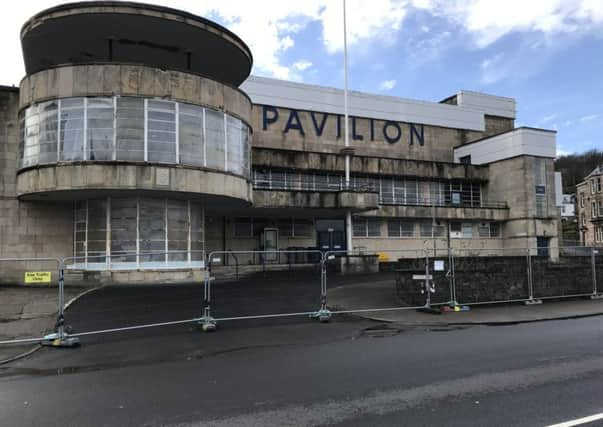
(574, 167)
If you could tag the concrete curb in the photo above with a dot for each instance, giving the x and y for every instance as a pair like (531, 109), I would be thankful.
(38, 346)
(482, 323)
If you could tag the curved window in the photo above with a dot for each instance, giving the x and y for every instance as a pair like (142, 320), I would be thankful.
(136, 129)
(132, 233)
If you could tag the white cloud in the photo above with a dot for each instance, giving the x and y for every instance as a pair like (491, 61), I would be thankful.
(271, 29)
(589, 118)
(549, 118)
(387, 85)
(494, 69)
(489, 20)
(302, 64)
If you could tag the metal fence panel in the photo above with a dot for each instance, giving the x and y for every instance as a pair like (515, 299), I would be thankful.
(484, 276)
(568, 275)
(381, 283)
(260, 284)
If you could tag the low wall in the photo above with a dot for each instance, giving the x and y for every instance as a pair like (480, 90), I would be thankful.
(482, 279)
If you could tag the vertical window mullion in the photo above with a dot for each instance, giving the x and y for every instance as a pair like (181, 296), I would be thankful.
(188, 244)
(114, 156)
(85, 132)
(58, 129)
(177, 121)
(137, 232)
(145, 130)
(108, 234)
(165, 213)
(86, 239)
(225, 144)
(204, 139)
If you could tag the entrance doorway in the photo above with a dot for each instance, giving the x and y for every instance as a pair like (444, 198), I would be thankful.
(330, 234)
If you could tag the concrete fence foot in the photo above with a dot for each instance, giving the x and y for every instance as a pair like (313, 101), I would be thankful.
(54, 340)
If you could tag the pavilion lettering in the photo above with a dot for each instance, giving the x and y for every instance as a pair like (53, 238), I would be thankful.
(390, 131)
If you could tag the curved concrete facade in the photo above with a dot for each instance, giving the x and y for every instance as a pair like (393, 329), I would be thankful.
(71, 181)
(134, 32)
(132, 80)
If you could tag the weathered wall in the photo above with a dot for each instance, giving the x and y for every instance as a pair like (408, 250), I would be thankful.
(329, 162)
(438, 141)
(27, 229)
(133, 80)
(60, 180)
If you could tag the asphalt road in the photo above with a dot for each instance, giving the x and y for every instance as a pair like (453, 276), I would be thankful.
(295, 371)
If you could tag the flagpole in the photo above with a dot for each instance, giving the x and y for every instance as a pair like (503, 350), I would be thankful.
(346, 138)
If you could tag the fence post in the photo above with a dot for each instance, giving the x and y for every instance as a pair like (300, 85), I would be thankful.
(453, 302)
(323, 314)
(530, 300)
(208, 324)
(593, 263)
(60, 338)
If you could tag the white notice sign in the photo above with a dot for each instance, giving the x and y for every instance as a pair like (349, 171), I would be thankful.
(438, 265)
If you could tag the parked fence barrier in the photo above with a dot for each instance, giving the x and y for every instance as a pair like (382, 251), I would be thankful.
(246, 285)
(266, 284)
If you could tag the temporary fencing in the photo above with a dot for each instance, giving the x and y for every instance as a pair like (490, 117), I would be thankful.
(245, 285)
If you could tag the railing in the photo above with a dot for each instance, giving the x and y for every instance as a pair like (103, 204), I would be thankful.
(308, 184)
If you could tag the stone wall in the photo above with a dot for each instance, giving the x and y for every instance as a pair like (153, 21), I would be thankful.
(27, 229)
(483, 279)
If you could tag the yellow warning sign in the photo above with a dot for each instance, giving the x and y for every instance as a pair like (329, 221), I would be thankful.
(37, 276)
(382, 257)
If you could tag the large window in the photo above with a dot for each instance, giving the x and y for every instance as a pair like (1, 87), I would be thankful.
(366, 227)
(138, 233)
(400, 228)
(132, 129)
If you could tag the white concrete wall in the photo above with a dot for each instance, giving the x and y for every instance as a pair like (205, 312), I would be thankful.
(487, 104)
(518, 142)
(280, 93)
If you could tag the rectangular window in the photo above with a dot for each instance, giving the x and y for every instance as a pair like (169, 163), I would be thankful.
(215, 139)
(190, 134)
(374, 227)
(123, 230)
(483, 230)
(467, 230)
(197, 232)
(152, 229)
(71, 138)
(359, 227)
(234, 132)
(601, 208)
(177, 229)
(581, 200)
(366, 227)
(129, 122)
(593, 186)
(593, 208)
(399, 228)
(161, 131)
(393, 228)
(426, 229)
(495, 230)
(99, 129)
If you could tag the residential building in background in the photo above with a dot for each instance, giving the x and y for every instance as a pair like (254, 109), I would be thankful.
(590, 208)
(137, 141)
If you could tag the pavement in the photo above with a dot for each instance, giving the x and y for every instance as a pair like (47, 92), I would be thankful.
(28, 312)
(381, 296)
